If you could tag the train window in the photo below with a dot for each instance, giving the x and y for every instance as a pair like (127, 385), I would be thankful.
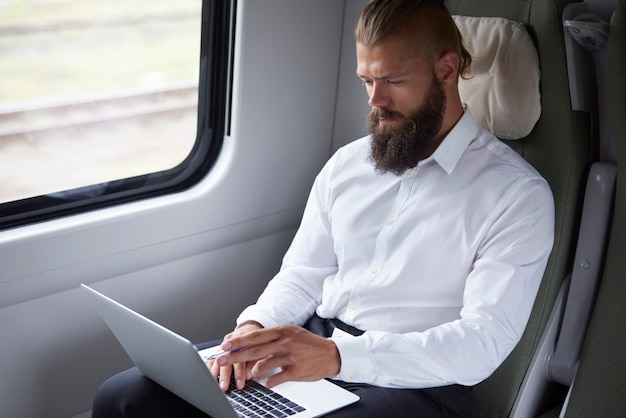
(105, 102)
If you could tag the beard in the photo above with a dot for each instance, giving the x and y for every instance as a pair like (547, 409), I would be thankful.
(398, 146)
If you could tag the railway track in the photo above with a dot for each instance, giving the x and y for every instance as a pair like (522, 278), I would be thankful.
(39, 121)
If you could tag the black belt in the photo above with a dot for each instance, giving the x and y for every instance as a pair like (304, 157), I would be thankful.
(325, 327)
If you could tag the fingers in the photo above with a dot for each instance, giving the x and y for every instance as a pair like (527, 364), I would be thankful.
(240, 375)
(249, 352)
(273, 370)
(214, 368)
(244, 339)
(224, 378)
(297, 354)
(294, 352)
(278, 378)
(246, 354)
(221, 374)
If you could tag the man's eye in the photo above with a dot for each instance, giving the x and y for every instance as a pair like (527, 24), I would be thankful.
(366, 82)
(394, 82)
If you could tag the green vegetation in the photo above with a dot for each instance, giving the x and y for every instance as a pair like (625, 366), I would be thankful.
(62, 49)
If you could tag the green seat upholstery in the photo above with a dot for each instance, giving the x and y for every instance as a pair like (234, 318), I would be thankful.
(599, 388)
(559, 148)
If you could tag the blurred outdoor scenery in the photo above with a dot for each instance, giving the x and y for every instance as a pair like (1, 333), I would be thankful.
(93, 91)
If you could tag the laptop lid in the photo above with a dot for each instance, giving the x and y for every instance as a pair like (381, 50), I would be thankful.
(173, 362)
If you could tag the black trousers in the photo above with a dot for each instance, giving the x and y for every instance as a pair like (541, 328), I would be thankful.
(131, 394)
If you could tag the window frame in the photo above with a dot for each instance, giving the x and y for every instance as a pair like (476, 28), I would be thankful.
(214, 99)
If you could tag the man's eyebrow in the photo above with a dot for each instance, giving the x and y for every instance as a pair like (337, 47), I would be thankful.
(379, 78)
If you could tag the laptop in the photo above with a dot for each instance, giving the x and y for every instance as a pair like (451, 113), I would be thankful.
(173, 362)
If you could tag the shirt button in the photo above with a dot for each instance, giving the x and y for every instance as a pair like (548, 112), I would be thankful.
(353, 376)
(410, 173)
(374, 270)
(353, 306)
(391, 221)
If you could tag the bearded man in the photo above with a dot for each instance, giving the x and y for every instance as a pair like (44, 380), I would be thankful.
(420, 251)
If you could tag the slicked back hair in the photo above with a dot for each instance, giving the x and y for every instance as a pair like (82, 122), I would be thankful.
(427, 24)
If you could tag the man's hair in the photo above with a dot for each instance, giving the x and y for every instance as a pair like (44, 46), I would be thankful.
(427, 23)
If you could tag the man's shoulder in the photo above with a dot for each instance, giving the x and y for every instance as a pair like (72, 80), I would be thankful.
(504, 155)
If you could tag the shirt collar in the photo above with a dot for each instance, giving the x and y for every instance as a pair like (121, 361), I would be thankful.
(449, 152)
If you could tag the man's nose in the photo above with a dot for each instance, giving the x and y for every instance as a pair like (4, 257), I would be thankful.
(378, 94)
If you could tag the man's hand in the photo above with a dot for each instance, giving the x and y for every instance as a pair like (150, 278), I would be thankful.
(297, 354)
(223, 373)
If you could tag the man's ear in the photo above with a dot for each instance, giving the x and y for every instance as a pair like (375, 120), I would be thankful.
(447, 68)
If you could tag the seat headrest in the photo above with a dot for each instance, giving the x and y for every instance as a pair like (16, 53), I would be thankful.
(503, 89)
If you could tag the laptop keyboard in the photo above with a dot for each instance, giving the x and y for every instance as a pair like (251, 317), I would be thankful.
(256, 400)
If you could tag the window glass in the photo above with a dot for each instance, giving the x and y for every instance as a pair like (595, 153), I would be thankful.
(94, 91)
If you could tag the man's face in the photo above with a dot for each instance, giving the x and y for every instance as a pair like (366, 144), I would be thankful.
(408, 103)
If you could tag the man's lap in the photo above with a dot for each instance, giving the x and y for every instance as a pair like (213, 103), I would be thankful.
(446, 401)
(131, 394)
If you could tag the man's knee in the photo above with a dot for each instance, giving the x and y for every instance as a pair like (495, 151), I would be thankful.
(130, 394)
(111, 396)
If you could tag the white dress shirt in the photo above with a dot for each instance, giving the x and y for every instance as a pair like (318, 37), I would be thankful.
(440, 266)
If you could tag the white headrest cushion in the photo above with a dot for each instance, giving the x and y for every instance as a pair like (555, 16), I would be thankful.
(503, 89)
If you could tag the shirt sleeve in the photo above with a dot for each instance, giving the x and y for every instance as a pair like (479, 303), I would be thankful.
(295, 292)
(497, 301)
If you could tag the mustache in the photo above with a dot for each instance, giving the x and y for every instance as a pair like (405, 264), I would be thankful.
(376, 113)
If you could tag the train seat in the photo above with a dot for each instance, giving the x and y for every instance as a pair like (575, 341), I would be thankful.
(600, 379)
(558, 146)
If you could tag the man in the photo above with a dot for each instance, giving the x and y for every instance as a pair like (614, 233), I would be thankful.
(421, 248)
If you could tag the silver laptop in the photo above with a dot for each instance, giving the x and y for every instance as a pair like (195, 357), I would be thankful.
(174, 363)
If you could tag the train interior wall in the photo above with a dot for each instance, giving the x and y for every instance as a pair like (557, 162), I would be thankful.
(192, 260)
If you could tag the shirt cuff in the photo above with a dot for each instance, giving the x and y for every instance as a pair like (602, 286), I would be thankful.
(356, 363)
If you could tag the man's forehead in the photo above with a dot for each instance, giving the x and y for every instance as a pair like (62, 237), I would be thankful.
(384, 57)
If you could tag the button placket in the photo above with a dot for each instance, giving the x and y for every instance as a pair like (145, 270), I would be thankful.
(406, 186)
